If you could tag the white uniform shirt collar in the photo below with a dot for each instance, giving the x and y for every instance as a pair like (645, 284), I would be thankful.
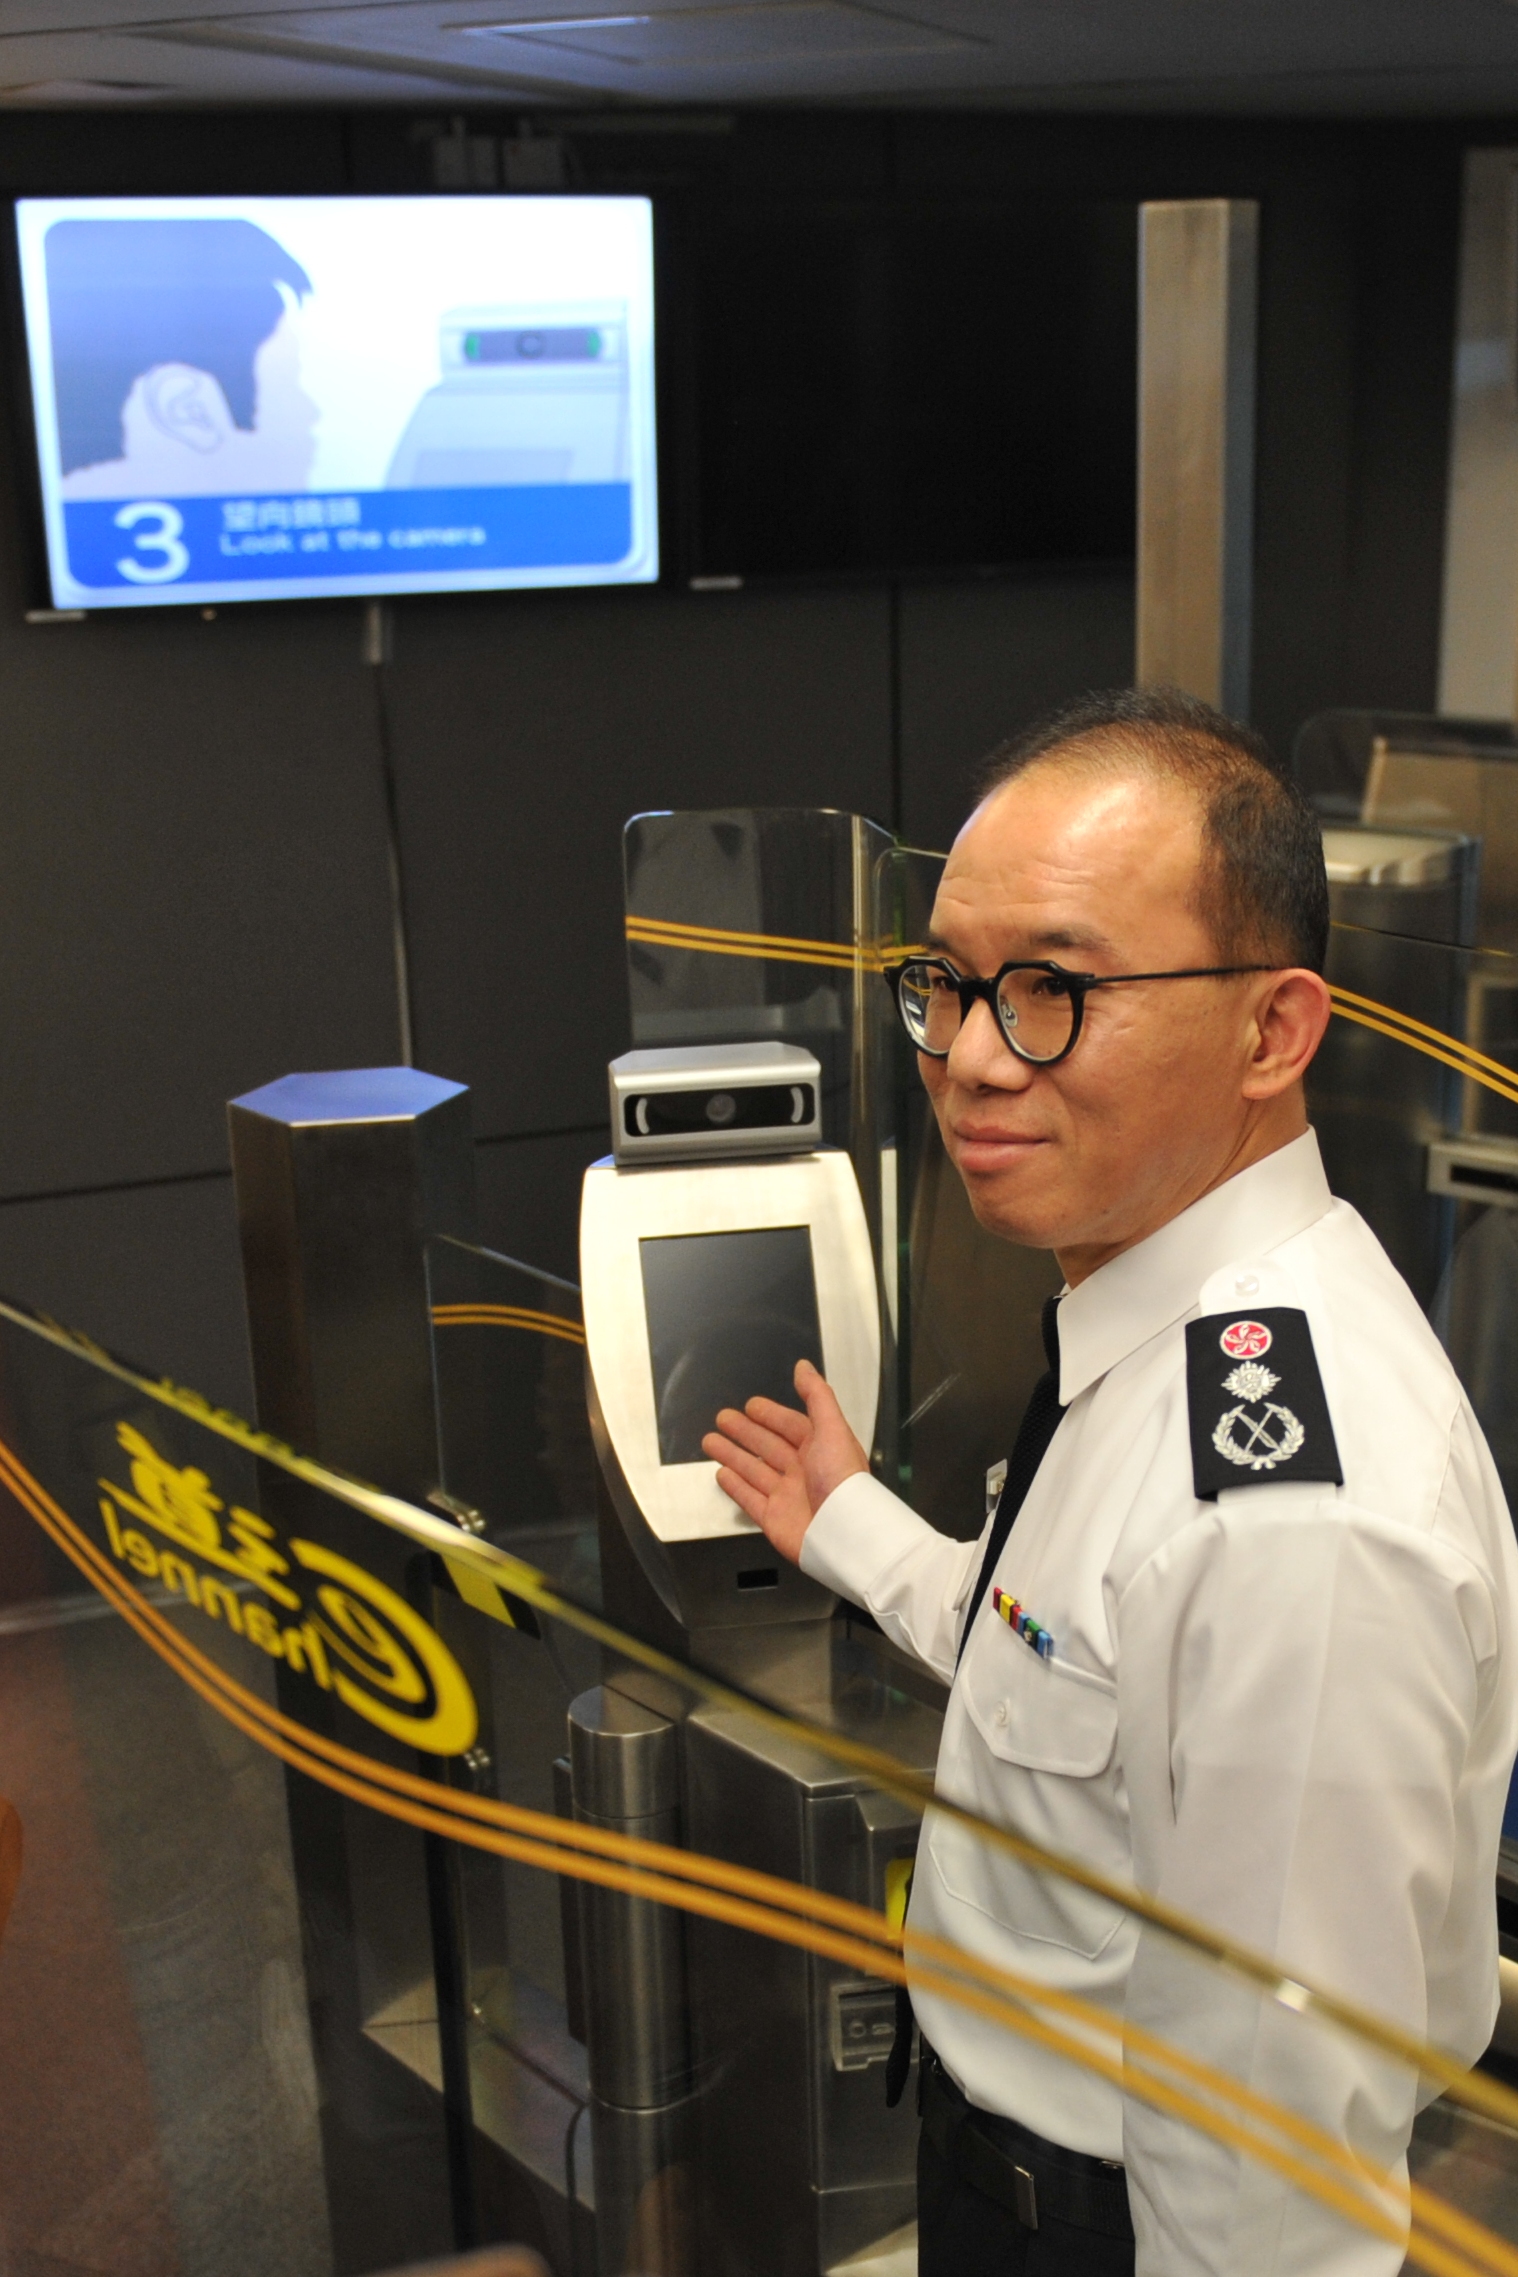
(1157, 1282)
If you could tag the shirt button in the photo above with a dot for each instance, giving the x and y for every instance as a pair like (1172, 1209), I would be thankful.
(1001, 1714)
(1248, 1284)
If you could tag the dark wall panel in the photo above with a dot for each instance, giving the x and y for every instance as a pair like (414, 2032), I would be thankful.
(529, 1194)
(1304, 432)
(528, 730)
(193, 883)
(1405, 323)
(153, 1273)
(118, 154)
(978, 662)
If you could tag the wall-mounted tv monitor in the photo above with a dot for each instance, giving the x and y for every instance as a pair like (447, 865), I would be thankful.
(252, 399)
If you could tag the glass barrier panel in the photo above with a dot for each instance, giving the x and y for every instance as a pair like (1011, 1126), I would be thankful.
(509, 1354)
(519, 1470)
(756, 924)
(299, 1694)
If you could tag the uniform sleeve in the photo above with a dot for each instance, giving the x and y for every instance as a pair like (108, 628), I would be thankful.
(867, 1545)
(1298, 1692)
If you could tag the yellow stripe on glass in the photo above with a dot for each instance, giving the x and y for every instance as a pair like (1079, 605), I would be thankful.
(465, 1315)
(1441, 2240)
(1364, 1011)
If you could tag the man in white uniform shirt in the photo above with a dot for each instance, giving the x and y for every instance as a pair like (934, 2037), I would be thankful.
(1245, 1644)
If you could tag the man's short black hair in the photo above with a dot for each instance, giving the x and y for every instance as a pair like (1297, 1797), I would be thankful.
(1262, 891)
(125, 296)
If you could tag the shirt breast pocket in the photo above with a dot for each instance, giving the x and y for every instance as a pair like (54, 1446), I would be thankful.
(1039, 1755)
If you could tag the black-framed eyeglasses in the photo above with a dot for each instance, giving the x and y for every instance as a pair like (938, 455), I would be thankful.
(1038, 1006)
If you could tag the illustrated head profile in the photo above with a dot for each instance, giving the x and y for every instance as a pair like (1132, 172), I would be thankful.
(176, 358)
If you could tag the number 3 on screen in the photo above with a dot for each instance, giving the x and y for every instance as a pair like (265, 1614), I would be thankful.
(162, 538)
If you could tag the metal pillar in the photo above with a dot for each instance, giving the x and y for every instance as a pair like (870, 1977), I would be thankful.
(1197, 304)
(340, 1181)
(625, 1773)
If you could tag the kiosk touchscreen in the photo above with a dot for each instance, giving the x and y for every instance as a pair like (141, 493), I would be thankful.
(719, 1245)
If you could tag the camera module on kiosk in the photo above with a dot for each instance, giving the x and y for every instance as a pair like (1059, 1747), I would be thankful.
(693, 1103)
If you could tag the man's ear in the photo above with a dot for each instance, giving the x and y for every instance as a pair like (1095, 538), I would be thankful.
(187, 406)
(1290, 1015)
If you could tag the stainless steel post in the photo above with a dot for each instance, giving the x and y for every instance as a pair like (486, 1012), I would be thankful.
(625, 1770)
(340, 1180)
(1197, 299)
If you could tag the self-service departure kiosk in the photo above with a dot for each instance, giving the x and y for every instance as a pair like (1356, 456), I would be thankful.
(720, 1244)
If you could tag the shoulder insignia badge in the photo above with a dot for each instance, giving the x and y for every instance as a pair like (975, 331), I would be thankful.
(1252, 1425)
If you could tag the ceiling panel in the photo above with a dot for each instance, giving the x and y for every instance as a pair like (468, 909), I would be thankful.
(1356, 55)
(118, 65)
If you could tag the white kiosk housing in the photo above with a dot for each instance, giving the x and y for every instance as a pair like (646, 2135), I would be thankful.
(708, 1271)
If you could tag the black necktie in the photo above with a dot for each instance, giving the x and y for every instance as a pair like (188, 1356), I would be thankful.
(1039, 1424)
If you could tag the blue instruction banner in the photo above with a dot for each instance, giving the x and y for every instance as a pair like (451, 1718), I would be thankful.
(146, 542)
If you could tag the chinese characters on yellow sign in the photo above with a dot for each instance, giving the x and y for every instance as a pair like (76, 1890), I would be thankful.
(342, 1627)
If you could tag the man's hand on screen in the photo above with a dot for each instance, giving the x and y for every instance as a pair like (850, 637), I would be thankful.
(781, 1466)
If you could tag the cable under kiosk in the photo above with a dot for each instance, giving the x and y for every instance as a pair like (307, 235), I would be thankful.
(737, 2086)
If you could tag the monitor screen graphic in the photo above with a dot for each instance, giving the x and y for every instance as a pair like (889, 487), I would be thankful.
(271, 398)
(729, 1315)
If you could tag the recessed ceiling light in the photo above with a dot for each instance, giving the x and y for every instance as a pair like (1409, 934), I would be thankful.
(553, 24)
(736, 33)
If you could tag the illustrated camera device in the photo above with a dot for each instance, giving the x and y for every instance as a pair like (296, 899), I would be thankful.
(529, 394)
(719, 1245)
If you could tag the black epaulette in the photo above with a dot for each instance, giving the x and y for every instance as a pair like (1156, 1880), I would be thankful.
(1258, 1414)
